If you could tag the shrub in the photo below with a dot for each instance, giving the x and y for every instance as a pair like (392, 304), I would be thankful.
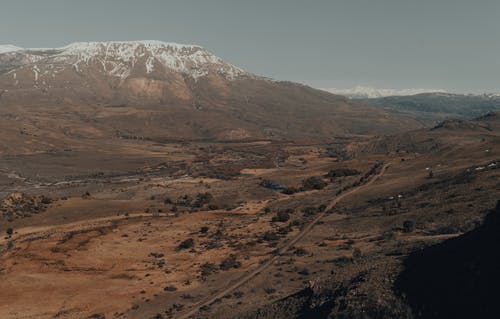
(281, 216)
(270, 236)
(356, 253)
(314, 183)
(285, 230)
(188, 243)
(204, 229)
(9, 231)
(340, 172)
(303, 271)
(290, 190)
(309, 211)
(300, 251)
(269, 290)
(207, 269)
(408, 226)
(203, 198)
(238, 294)
(230, 262)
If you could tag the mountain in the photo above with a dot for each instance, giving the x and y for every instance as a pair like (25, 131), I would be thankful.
(108, 72)
(364, 92)
(431, 108)
(168, 91)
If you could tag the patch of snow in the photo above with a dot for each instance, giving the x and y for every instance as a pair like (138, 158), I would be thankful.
(150, 65)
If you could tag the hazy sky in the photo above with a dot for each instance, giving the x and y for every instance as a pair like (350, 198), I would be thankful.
(448, 44)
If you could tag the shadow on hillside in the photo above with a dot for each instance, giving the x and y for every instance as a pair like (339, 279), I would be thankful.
(459, 278)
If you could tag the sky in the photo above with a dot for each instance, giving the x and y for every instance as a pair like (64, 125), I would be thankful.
(441, 44)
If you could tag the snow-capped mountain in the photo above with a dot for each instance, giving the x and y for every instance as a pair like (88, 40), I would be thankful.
(150, 72)
(363, 92)
(172, 91)
(121, 59)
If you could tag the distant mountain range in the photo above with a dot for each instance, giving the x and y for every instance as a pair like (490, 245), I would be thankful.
(364, 92)
(430, 108)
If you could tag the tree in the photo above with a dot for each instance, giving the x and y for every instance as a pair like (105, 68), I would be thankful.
(9, 231)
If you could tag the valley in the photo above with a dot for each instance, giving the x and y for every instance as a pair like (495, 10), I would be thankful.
(154, 180)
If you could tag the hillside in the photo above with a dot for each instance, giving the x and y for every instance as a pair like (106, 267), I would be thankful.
(430, 108)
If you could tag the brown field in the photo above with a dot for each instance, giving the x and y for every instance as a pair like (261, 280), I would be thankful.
(98, 229)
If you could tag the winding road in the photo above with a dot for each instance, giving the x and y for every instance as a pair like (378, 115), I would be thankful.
(245, 278)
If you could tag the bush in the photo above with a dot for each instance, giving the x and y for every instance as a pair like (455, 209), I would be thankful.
(9, 231)
(269, 290)
(230, 262)
(170, 288)
(270, 236)
(340, 172)
(281, 216)
(203, 198)
(356, 253)
(207, 269)
(285, 230)
(238, 294)
(291, 190)
(188, 243)
(300, 251)
(314, 183)
(408, 226)
(310, 211)
(204, 229)
(304, 272)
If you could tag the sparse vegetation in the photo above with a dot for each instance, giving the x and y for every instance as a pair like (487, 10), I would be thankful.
(230, 262)
(408, 226)
(314, 183)
(207, 269)
(270, 236)
(341, 172)
(186, 244)
(204, 229)
(281, 216)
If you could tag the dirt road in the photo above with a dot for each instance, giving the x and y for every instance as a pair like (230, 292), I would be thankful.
(241, 281)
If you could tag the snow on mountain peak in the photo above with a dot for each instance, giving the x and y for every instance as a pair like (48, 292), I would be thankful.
(9, 48)
(370, 92)
(121, 58)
